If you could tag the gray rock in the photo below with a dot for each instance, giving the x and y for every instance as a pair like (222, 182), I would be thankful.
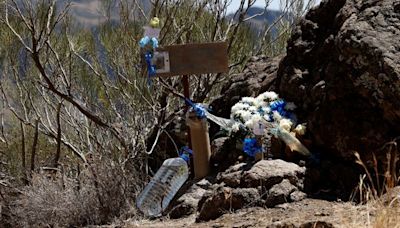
(187, 204)
(241, 184)
(279, 193)
(225, 153)
(227, 199)
(297, 196)
(232, 176)
(343, 69)
(270, 172)
(317, 224)
(280, 224)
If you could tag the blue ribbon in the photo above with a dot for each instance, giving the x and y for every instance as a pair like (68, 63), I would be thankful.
(146, 41)
(197, 108)
(251, 147)
(279, 106)
(151, 69)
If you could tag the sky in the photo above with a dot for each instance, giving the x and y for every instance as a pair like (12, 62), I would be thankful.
(274, 4)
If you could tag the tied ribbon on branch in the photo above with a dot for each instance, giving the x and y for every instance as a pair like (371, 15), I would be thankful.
(151, 69)
(149, 43)
(197, 108)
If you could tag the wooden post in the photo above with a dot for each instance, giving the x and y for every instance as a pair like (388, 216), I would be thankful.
(201, 145)
(188, 59)
(186, 93)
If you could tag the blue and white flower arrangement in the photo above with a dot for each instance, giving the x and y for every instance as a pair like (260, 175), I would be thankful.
(257, 116)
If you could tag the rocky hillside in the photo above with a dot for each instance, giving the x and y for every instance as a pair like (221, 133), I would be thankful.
(342, 70)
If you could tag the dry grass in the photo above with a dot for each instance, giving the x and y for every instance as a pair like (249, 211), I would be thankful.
(99, 194)
(388, 216)
(380, 195)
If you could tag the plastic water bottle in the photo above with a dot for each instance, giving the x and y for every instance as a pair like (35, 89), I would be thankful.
(159, 192)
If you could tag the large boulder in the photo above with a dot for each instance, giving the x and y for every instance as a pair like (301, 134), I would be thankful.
(225, 199)
(270, 172)
(266, 183)
(342, 69)
(265, 173)
(187, 204)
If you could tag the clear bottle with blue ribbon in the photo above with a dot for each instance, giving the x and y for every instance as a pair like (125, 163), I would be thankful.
(159, 192)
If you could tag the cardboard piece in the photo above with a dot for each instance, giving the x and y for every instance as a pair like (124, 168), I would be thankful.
(151, 32)
(188, 59)
(200, 145)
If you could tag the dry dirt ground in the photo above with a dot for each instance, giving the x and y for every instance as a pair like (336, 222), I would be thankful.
(304, 214)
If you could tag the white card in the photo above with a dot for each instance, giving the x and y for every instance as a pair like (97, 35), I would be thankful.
(259, 129)
(151, 32)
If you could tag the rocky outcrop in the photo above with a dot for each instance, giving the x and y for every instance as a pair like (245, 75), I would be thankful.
(225, 153)
(187, 204)
(265, 173)
(266, 183)
(226, 199)
(342, 69)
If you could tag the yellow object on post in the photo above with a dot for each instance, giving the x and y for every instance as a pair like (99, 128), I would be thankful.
(200, 145)
(155, 22)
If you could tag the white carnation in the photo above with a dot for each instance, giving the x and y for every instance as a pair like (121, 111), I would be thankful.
(253, 109)
(285, 124)
(255, 120)
(300, 129)
(263, 104)
(249, 100)
(239, 106)
(277, 116)
(266, 109)
(236, 127)
(244, 115)
(270, 96)
(267, 118)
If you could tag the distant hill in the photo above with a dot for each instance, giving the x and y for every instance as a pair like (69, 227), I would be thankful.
(258, 23)
(91, 13)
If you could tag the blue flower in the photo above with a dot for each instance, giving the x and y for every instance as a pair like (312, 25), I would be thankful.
(251, 147)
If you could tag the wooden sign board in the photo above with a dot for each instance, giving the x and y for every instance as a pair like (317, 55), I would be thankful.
(190, 59)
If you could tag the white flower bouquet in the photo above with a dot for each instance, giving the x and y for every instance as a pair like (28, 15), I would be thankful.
(265, 114)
